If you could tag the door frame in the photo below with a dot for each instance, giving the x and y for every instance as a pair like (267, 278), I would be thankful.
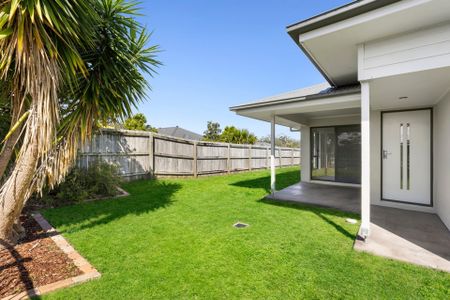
(431, 156)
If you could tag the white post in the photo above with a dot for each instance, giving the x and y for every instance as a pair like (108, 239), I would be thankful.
(365, 159)
(272, 156)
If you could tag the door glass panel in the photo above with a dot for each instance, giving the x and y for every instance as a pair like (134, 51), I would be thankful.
(323, 153)
(348, 154)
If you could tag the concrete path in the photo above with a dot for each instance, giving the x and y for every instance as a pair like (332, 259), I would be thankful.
(410, 236)
(415, 237)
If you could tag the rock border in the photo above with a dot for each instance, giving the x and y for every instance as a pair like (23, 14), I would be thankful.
(89, 272)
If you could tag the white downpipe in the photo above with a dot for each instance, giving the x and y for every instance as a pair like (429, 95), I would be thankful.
(365, 159)
(272, 156)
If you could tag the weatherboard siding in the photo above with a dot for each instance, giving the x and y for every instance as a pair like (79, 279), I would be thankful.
(411, 52)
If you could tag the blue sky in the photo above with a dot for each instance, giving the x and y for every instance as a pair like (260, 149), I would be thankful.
(221, 53)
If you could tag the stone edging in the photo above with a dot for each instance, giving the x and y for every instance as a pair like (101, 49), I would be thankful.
(89, 272)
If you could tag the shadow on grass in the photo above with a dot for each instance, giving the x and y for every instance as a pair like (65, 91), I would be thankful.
(284, 179)
(145, 196)
(323, 213)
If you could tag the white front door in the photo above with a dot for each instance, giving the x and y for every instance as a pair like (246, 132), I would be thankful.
(406, 156)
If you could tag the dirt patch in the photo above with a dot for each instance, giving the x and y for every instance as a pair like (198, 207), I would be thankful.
(34, 262)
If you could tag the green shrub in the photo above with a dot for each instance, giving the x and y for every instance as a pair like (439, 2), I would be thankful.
(97, 181)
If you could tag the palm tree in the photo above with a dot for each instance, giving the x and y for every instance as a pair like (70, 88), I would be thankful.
(76, 63)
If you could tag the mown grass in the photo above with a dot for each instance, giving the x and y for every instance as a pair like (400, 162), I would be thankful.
(174, 239)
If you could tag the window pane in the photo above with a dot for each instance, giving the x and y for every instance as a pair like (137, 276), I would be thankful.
(323, 142)
(348, 154)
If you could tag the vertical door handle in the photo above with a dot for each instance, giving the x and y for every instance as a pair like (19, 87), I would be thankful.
(401, 156)
(386, 153)
(408, 156)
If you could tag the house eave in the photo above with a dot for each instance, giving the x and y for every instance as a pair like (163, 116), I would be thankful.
(330, 17)
(242, 107)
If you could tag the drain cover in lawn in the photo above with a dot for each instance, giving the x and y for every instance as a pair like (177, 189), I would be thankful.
(240, 225)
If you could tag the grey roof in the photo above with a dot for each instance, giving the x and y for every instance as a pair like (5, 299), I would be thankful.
(180, 132)
(318, 91)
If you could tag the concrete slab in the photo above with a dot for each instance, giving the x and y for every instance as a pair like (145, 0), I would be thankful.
(331, 196)
(410, 236)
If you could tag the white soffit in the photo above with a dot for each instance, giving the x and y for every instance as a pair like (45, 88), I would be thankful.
(421, 89)
(334, 47)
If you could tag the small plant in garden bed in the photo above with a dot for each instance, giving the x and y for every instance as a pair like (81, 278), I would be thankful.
(98, 181)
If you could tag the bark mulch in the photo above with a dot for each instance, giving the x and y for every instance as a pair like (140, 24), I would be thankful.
(34, 262)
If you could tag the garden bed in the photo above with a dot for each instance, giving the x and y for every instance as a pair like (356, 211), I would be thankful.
(43, 261)
(35, 261)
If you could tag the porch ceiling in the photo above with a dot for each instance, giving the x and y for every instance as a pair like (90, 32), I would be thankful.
(422, 89)
(307, 118)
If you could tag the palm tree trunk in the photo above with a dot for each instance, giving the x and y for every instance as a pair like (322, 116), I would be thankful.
(16, 189)
(13, 194)
(8, 150)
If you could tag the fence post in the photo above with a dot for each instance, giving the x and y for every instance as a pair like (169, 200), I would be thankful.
(172, 149)
(229, 159)
(300, 156)
(292, 154)
(151, 152)
(249, 157)
(280, 157)
(195, 160)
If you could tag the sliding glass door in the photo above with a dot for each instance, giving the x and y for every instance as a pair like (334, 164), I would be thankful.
(336, 153)
(323, 153)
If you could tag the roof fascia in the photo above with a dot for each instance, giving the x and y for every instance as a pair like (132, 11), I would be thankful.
(292, 100)
(338, 14)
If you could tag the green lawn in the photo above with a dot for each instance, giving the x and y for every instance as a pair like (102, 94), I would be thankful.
(174, 239)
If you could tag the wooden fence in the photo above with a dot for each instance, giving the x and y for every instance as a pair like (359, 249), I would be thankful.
(139, 154)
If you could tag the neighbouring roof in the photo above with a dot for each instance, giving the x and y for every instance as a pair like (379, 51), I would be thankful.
(180, 133)
(318, 91)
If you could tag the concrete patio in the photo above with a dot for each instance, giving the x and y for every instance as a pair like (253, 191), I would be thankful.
(410, 236)
(331, 196)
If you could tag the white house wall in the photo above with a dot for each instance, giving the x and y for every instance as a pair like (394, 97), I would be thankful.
(442, 159)
(406, 53)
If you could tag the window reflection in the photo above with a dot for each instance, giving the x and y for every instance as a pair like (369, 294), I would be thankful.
(336, 153)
